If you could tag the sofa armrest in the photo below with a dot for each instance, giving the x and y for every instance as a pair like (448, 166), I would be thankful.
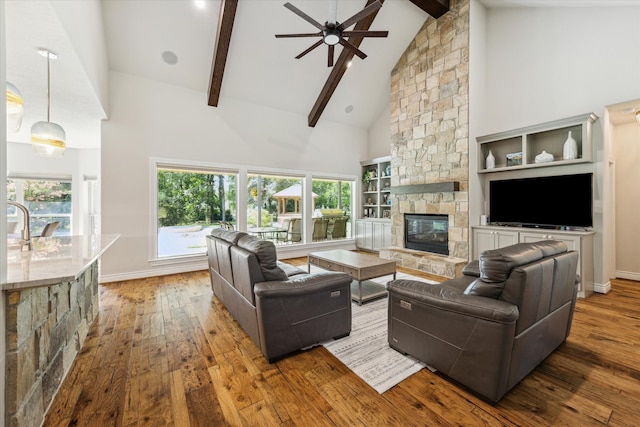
(302, 284)
(444, 298)
(472, 269)
(302, 311)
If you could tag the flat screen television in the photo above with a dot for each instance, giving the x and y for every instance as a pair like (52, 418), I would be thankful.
(549, 201)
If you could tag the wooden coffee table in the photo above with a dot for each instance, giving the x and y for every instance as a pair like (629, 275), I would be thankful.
(360, 266)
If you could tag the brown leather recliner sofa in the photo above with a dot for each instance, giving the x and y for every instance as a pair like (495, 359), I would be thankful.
(492, 326)
(282, 308)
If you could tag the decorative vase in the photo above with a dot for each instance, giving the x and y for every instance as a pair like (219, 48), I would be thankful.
(570, 149)
(388, 170)
(491, 161)
(544, 157)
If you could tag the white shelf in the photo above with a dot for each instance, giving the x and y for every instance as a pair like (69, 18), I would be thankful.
(533, 140)
(377, 189)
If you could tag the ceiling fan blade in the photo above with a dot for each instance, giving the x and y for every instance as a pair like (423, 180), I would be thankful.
(365, 33)
(280, 36)
(313, 46)
(360, 15)
(351, 47)
(304, 16)
(330, 59)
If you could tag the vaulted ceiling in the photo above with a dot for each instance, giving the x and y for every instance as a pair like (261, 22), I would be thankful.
(176, 43)
(258, 68)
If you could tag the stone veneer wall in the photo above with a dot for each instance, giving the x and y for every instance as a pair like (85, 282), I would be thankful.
(430, 135)
(46, 327)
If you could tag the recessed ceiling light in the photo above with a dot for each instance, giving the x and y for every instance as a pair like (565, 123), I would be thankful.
(348, 109)
(200, 4)
(169, 57)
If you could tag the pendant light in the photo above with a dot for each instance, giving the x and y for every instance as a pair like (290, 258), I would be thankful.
(15, 109)
(47, 138)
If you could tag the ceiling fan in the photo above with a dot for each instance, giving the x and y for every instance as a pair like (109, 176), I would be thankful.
(333, 32)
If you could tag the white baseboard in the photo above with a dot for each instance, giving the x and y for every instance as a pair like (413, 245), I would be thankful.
(602, 288)
(160, 270)
(628, 275)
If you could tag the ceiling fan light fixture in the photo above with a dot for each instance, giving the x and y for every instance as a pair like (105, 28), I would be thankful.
(331, 36)
(48, 139)
(15, 108)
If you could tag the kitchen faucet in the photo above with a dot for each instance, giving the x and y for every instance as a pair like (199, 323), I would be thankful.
(26, 231)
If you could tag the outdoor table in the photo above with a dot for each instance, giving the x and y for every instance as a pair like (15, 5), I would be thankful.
(263, 232)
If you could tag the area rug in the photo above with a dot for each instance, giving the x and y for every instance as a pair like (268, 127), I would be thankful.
(366, 350)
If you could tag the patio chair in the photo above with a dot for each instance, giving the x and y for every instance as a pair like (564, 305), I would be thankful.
(281, 236)
(49, 228)
(295, 230)
(320, 226)
(339, 230)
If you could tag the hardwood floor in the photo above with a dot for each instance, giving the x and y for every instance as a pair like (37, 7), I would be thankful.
(163, 351)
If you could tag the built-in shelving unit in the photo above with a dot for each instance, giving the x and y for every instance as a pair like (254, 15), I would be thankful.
(531, 141)
(376, 188)
(373, 230)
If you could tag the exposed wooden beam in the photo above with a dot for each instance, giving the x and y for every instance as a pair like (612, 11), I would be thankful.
(435, 8)
(223, 40)
(339, 69)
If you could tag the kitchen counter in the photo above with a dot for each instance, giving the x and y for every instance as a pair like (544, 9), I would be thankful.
(54, 260)
(52, 299)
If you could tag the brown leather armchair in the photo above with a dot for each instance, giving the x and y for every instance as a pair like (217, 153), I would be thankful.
(491, 327)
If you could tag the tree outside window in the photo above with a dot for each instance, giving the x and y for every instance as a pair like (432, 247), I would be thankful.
(190, 204)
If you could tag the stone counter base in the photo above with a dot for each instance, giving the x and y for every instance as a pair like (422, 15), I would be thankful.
(46, 327)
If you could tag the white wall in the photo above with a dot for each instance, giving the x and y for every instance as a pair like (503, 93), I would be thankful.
(151, 119)
(477, 111)
(548, 63)
(626, 151)
(544, 64)
(379, 135)
(82, 21)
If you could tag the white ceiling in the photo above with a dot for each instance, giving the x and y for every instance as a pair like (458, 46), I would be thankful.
(260, 68)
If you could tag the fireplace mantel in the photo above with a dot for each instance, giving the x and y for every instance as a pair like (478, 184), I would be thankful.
(435, 187)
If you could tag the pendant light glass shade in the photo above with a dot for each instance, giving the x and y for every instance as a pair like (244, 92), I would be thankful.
(48, 139)
(15, 108)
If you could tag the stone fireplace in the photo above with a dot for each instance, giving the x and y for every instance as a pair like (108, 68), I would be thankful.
(430, 140)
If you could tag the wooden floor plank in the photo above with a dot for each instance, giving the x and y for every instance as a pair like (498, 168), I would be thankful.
(204, 408)
(164, 351)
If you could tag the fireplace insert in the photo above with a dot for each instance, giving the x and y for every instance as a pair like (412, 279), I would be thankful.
(426, 232)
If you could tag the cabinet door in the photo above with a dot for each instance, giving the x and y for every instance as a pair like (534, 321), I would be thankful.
(572, 242)
(505, 238)
(381, 235)
(482, 241)
(364, 235)
(485, 239)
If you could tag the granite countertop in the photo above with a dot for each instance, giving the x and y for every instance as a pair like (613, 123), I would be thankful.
(54, 260)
